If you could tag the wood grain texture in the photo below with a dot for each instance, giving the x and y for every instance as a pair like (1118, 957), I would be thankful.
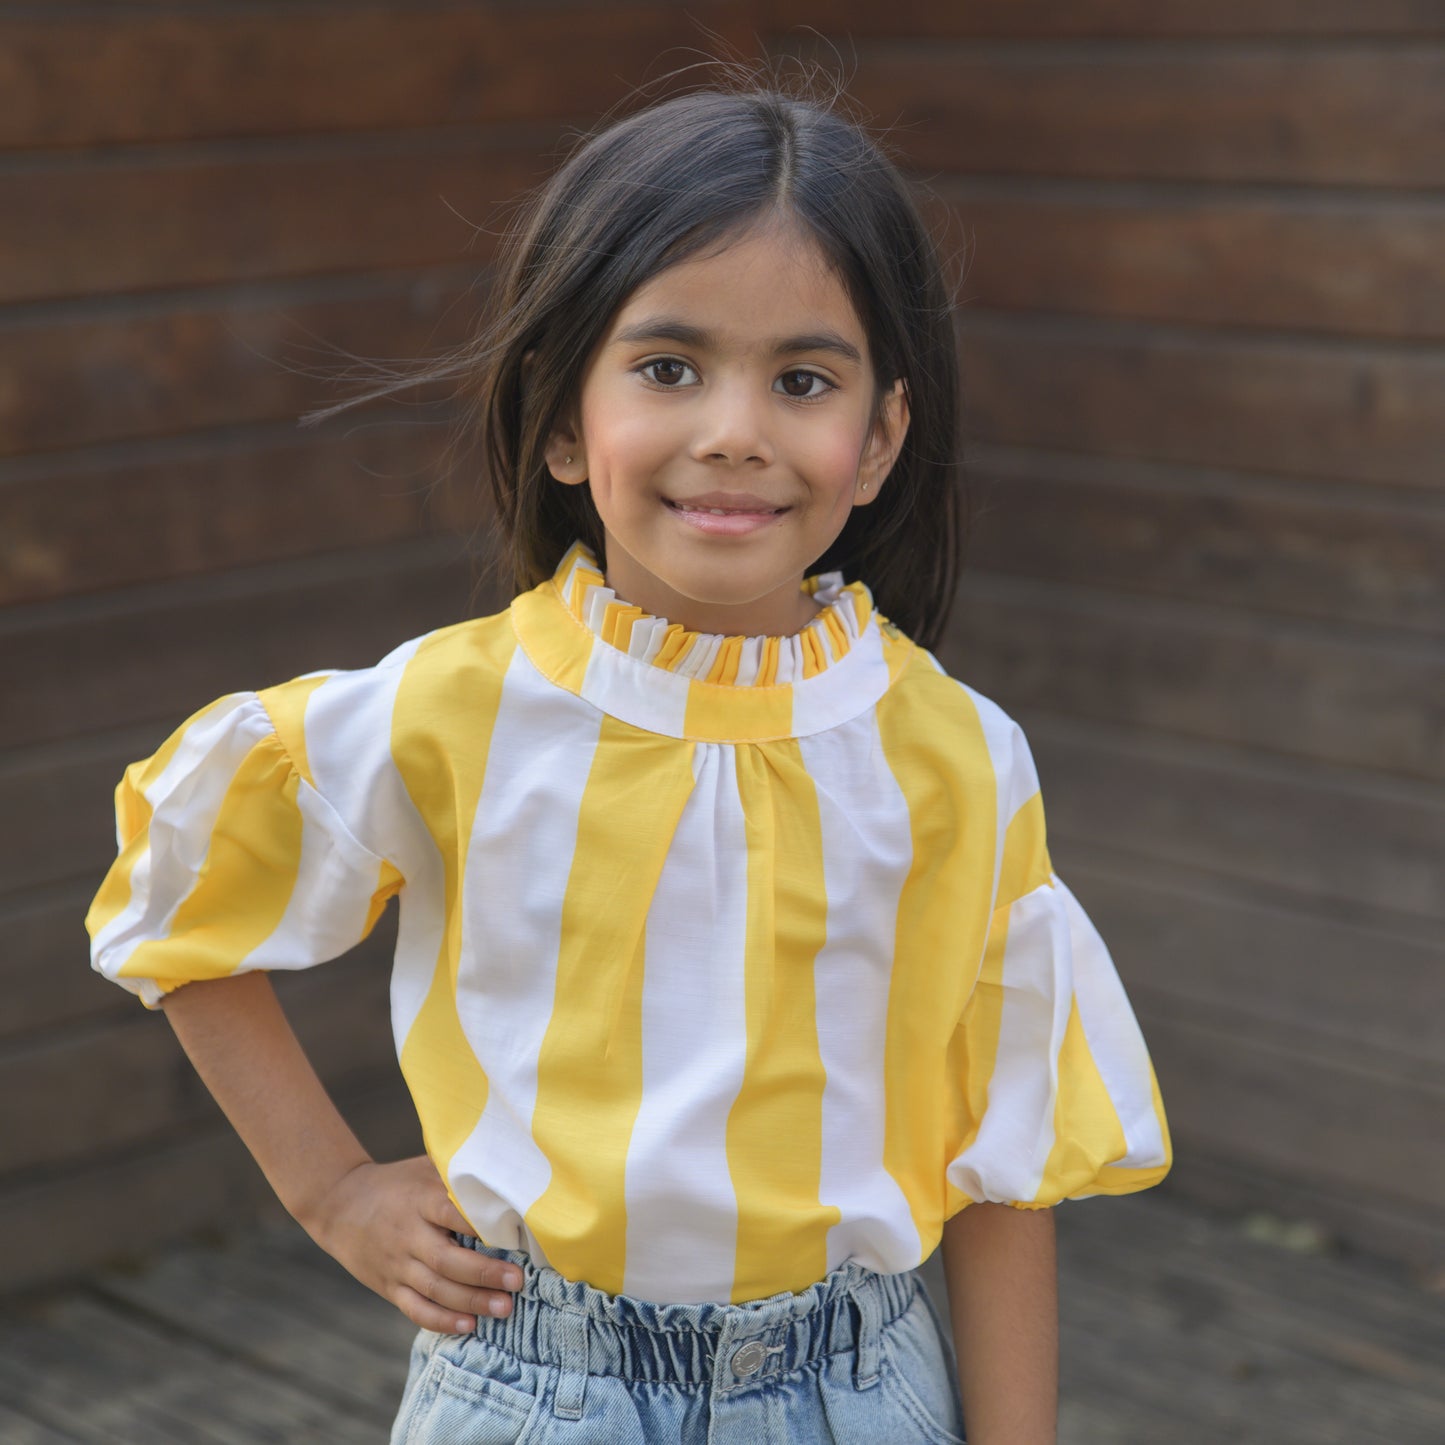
(1188, 939)
(1284, 404)
(86, 664)
(1348, 553)
(1051, 19)
(199, 1180)
(222, 73)
(1318, 263)
(1260, 819)
(44, 967)
(223, 501)
(122, 1084)
(58, 800)
(176, 370)
(1278, 113)
(87, 228)
(1296, 688)
(1245, 1091)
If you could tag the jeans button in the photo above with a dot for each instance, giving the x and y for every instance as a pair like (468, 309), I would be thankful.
(748, 1359)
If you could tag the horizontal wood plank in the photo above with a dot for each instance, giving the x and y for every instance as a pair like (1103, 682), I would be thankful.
(276, 1294)
(222, 72)
(1048, 19)
(1192, 939)
(1253, 818)
(61, 804)
(111, 1376)
(1287, 113)
(1410, 1241)
(76, 229)
(1350, 411)
(1293, 687)
(171, 369)
(1326, 263)
(1245, 1093)
(43, 968)
(221, 502)
(1349, 554)
(158, 653)
(124, 1083)
(51, 1229)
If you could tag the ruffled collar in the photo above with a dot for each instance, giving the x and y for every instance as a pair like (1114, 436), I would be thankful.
(710, 657)
(657, 675)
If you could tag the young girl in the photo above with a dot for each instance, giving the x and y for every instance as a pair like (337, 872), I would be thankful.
(732, 974)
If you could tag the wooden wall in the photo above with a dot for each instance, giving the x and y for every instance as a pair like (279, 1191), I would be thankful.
(1203, 366)
(1203, 369)
(197, 205)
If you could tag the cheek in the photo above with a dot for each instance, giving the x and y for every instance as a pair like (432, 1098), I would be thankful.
(622, 447)
(833, 459)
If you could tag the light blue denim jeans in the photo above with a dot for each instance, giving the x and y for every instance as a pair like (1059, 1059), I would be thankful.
(858, 1357)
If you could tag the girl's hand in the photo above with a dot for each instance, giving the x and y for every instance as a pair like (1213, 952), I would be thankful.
(390, 1225)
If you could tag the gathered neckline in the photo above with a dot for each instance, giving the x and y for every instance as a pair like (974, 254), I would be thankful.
(664, 678)
(766, 660)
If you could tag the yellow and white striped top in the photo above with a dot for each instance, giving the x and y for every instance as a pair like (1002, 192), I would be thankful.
(721, 961)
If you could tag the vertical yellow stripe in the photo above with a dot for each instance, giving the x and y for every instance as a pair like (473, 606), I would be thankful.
(1087, 1132)
(441, 732)
(935, 745)
(677, 643)
(725, 665)
(775, 1127)
(837, 634)
(768, 663)
(972, 1054)
(132, 819)
(245, 883)
(589, 1068)
(737, 714)
(286, 706)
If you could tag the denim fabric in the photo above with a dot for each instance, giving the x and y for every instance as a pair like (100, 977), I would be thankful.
(858, 1357)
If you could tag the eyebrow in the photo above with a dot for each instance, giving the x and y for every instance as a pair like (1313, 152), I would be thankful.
(664, 328)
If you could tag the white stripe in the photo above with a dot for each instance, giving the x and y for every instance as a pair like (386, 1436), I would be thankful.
(635, 692)
(694, 1047)
(518, 862)
(185, 802)
(1007, 1159)
(1015, 780)
(1114, 1038)
(335, 881)
(348, 751)
(867, 852)
(842, 691)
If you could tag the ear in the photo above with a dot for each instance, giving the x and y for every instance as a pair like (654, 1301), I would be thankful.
(566, 457)
(884, 443)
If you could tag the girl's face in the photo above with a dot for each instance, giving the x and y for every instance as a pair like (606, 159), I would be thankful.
(725, 426)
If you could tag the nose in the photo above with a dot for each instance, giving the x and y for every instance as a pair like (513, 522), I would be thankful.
(732, 426)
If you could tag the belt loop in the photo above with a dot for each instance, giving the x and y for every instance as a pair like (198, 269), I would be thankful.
(572, 1385)
(870, 1327)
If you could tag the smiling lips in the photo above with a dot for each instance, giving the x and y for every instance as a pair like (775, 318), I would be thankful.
(726, 514)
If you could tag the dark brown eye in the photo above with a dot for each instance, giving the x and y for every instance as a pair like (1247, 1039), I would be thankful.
(668, 372)
(800, 383)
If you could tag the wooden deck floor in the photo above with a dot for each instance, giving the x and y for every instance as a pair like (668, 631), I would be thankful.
(1179, 1328)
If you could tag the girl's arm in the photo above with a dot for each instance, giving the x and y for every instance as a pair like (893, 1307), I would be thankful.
(1003, 1297)
(389, 1224)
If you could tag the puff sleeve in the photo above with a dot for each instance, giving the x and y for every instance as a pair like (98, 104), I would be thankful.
(229, 860)
(1056, 1093)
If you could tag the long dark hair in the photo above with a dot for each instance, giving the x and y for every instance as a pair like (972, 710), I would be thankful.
(671, 181)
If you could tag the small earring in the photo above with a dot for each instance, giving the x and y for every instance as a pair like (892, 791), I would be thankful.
(567, 461)
(865, 486)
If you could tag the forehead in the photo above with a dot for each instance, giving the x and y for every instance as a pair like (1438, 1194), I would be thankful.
(767, 283)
